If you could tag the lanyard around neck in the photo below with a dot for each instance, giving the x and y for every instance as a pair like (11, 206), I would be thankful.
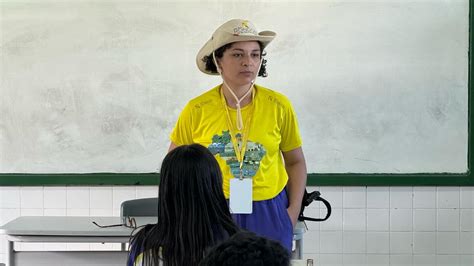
(238, 119)
(241, 147)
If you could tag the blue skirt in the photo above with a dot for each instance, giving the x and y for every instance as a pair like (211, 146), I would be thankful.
(269, 218)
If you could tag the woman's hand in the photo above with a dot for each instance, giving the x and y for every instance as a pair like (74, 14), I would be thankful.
(293, 213)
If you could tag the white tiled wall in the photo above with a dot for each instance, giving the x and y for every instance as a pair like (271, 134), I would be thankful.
(368, 226)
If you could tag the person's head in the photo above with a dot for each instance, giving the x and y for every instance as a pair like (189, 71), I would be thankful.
(239, 62)
(190, 184)
(247, 249)
(193, 214)
(234, 35)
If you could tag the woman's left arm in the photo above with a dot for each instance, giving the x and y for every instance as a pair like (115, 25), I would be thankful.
(295, 165)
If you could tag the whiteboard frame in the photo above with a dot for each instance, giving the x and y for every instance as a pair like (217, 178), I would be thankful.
(314, 179)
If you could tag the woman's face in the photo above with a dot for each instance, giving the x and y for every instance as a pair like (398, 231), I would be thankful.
(240, 63)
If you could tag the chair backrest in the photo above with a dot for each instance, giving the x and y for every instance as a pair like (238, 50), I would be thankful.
(139, 207)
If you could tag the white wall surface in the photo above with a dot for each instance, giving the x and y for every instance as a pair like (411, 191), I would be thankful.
(96, 86)
(378, 86)
(380, 226)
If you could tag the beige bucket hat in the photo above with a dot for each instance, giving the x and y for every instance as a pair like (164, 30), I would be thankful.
(235, 30)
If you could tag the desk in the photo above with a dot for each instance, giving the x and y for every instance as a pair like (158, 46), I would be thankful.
(66, 229)
(72, 229)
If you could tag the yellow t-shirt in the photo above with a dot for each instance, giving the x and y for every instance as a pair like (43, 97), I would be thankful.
(273, 129)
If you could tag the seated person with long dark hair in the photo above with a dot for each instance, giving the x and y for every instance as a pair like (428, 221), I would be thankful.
(193, 215)
(247, 249)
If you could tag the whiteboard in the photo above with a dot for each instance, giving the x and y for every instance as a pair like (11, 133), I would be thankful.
(96, 86)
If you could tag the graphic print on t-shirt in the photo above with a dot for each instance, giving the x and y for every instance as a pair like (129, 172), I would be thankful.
(222, 145)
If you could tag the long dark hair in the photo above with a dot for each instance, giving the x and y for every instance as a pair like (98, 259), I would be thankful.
(193, 215)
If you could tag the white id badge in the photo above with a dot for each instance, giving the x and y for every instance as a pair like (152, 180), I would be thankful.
(240, 196)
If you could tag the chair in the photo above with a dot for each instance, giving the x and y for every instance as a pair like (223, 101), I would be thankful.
(138, 207)
(149, 207)
(298, 232)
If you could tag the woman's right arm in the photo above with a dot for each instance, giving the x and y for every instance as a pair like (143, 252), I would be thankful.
(172, 146)
(182, 131)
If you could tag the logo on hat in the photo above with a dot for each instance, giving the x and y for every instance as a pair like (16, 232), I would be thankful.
(245, 29)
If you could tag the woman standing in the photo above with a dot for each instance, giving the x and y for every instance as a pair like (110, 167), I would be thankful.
(251, 130)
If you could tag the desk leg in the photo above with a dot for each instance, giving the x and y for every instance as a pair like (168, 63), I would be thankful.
(297, 254)
(9, 254)
(300, 250)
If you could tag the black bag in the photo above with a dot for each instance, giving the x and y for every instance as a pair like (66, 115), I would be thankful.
(307, 199)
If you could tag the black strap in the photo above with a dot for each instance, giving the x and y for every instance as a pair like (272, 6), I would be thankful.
(308, 198)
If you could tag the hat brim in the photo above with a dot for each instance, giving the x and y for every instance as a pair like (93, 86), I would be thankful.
(264, 37)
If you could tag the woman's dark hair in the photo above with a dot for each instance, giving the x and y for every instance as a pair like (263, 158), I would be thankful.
(193, 214)
(210, 66)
